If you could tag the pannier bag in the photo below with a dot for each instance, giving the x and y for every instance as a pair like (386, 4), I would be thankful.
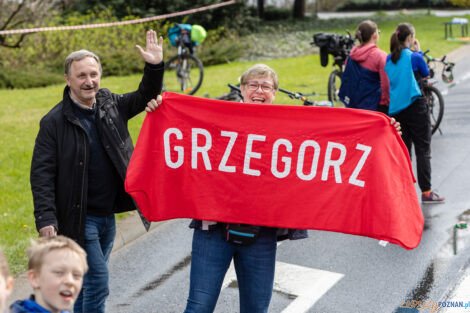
(198, 33)
(175, 31)
(328, 44)
(334, 44)
(240, 234)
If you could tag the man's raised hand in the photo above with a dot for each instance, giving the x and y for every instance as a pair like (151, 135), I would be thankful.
(153, 52)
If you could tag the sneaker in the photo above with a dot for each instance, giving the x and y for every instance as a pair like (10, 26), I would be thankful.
(432, 197)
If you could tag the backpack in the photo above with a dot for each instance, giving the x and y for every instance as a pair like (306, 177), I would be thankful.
(175, 31)
(360, 87)
(196, 34)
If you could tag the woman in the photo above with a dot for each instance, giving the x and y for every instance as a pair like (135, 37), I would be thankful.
(364, 82)
(252, 248)
(406, 69)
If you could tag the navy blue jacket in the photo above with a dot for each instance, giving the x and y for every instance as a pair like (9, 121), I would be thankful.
(360, 87)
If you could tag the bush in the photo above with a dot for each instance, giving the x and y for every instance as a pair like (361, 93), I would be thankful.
(22, 78)
(275, 14)
(357, 5)
(236, 16)
(47, 51)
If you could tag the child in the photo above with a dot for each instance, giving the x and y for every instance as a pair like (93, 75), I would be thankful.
(406, 69)
(365, 83)
(6, 281)
(55, 271)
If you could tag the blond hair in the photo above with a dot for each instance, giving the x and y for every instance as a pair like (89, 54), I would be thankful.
(42, 246)
(260, 70)
(4, 270)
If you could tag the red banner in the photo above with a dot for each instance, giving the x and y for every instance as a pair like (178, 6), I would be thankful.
(332, 169)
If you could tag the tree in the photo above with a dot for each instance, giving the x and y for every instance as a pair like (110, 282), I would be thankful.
(299, 9)
(16, 14)
(460, 3)
(260, 9)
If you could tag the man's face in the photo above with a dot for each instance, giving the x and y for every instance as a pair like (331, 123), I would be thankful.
(59, 280)
(258, 90)
(84, 80)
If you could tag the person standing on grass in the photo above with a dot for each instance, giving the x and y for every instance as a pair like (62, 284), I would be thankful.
(364, 83)
(406, 69)
(80, 161)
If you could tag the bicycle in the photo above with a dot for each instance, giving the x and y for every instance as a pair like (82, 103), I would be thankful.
(434, 98)
(188, 68)
(339, 46)
(236, 95)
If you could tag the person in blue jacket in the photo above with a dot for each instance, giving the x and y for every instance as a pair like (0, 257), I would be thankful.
(364, 84)
(406, 70)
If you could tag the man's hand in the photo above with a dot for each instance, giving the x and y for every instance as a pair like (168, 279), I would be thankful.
(48, 231)
(396, 124)
(153, 53)
(153, 104)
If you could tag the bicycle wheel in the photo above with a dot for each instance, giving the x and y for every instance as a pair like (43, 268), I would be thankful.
(183, 74)
(334, 82)
(435, 103)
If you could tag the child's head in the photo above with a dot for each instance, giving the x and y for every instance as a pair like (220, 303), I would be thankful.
(55, 271)
(402, 37)
(366, 31)
(6, 281)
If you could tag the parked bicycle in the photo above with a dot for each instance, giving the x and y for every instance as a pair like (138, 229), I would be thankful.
(187, 68)
(434, 98)
(339, 46)
(236, 95)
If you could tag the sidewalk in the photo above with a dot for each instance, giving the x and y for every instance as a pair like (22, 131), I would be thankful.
(127, 230)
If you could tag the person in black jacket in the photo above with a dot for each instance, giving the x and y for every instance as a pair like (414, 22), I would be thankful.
(80, 160)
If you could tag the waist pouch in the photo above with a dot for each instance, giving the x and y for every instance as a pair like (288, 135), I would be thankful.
(240, 234)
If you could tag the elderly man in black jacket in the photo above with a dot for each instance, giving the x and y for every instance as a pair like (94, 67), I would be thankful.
(80, 160)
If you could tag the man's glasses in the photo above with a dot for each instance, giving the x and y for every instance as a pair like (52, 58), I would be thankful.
(264, 86)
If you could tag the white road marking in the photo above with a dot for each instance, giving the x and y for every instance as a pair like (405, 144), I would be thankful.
(460, 295)
(307, 284)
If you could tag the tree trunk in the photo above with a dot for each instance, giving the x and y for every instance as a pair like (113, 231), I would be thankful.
(299, 9)
(261, 9)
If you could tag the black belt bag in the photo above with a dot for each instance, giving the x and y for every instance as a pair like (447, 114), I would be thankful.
(240, 234)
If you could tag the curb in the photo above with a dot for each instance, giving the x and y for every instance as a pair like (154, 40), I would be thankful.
(127, 230)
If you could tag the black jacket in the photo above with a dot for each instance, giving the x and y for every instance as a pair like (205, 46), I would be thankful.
(59, 167)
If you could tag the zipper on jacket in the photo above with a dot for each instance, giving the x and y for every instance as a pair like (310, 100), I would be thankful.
(111, 123)
(83, 182)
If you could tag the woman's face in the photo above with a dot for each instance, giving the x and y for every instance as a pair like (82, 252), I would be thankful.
(258, 90)
(410, 40)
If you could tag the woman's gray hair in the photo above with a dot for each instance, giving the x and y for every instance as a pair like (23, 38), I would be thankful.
(260, 70)
(80, 55)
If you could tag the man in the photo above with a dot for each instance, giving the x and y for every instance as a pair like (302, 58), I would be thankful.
(80, 160)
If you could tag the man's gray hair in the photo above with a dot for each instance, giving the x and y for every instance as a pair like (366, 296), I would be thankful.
(80, 55)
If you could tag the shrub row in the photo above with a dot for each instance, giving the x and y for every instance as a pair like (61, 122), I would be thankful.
(44, 53)
(353, 5)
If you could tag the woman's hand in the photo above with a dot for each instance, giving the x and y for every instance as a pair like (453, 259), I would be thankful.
(396, 124)
(153, 104)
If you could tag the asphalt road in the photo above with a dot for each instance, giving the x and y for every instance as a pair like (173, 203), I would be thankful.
(329, 272)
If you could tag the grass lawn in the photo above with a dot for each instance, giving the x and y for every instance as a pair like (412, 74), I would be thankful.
(21, 110)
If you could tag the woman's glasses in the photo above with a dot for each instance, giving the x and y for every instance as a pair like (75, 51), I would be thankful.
(255, 85)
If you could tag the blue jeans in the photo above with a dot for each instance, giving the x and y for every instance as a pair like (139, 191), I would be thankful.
(99, 239)
(254, 264)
